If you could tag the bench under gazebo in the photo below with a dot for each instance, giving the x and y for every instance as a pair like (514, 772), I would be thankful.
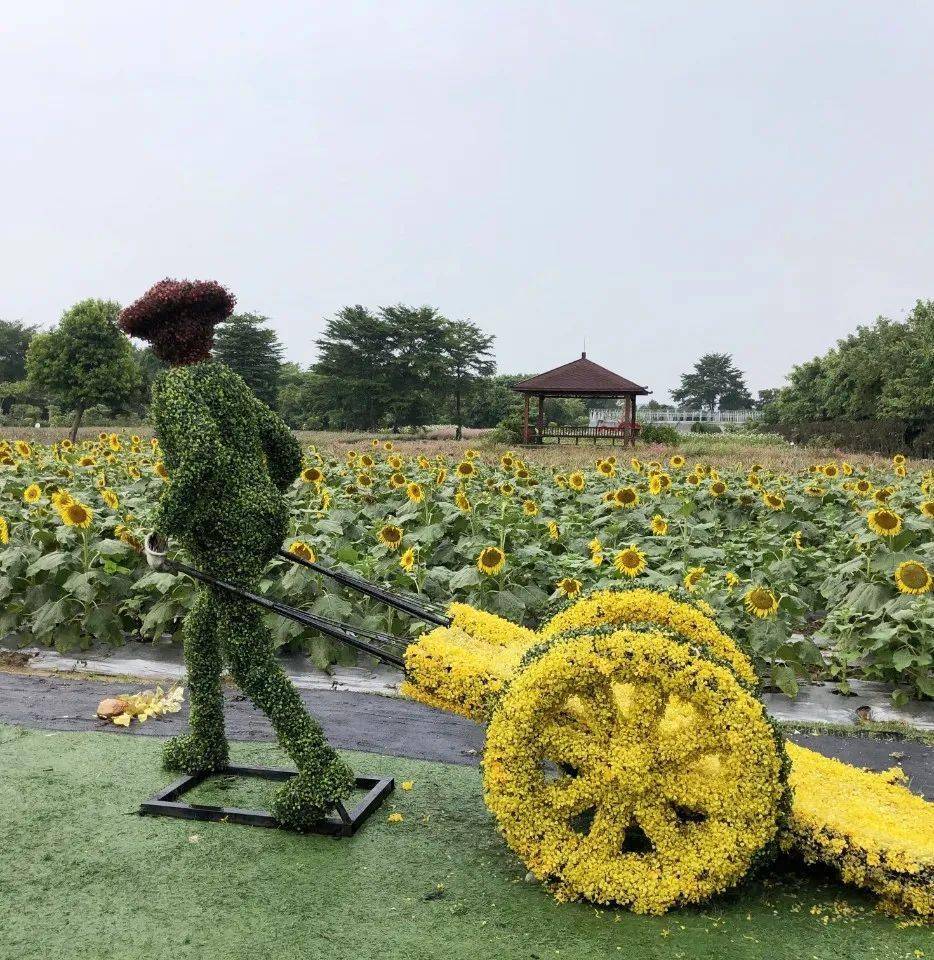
(582, 379)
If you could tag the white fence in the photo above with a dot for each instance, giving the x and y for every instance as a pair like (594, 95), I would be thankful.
(612, 415)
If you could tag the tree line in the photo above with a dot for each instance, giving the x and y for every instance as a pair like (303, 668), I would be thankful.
(401, 366)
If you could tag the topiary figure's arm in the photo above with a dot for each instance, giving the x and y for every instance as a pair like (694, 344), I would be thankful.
(192, 448)
(283, 451)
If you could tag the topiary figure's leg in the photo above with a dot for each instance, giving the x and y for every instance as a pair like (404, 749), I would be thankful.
(205, 748)
(323, 778)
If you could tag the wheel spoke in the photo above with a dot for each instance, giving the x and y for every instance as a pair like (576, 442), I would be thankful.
(684, 746)
(565, 742)
(572, 795)
(645, 708)
(660, 823)
(600, 709)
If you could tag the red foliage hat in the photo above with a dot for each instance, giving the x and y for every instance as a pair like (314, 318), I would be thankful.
(178, 318)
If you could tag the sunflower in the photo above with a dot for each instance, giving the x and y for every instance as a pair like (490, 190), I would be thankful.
(414, 492)
(110, 498)
(899, 459)
(659, 482)
(553, 530)
(522, 473)
(491, 560)
(395, 462)
(731, 579)
(507, 461)
(374, 444)
(4, 531)
(113, 441)
(901, 470)
(626, 497)
(927, 509)
(312, 475)
(761, 602)
(884, 522)
(846, 469)
(407, 560)
(659, 525)
(32, 493)
(440, 475)
(693, 479)
(630, 562)
(303, 550)
(576, 481)
(463, 504)
(912, 576)
(774, 501)
(831, 471)
(76, 514)
(22, 448)
(814, 490)
(364, 480)
(863, 486)
(882, 494)
(471, 454)
(366, 461)
(390, 535)
(466, 469)
(606, 468)
(569, 586)
(595, 546)
(753, 481)
(717, 488)
(796, 538)
(160, 471)
(693, 577)
(676, 462)
(636, 464)
(397, 480)
(388, 445)
(61, 498)
(529, 508)
(134, 473)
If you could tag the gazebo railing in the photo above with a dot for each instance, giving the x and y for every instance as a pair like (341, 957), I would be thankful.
(626, 432)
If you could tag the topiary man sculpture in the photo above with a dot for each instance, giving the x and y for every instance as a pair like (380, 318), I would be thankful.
(229, 459)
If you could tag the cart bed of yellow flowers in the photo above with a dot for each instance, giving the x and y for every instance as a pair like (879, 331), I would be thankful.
(628, 760)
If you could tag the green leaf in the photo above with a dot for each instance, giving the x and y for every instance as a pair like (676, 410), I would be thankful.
(786, 681)
(49, 561)
(466, 577)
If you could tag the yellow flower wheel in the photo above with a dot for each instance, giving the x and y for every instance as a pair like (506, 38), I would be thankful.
(623, 768)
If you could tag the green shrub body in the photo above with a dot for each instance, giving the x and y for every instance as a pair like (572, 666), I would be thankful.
(230, 458)
(660, 433)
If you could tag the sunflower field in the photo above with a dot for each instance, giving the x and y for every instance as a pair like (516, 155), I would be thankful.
(824, 572)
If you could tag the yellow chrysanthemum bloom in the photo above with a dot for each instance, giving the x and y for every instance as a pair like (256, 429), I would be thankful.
(77, 514)
(491, 560)
(693, 577)
(912, 576)
(569, 586)
(312, 475)
(761, 602)
(631, 561)
(529, 508)
(303, 550)
(626, 497)
(576, 481)
(407, 560)
(390, 535)
(659, 525)
(463, 504)
(927, 509)
(884, 522)
(414, 492)
(4, 531)
(32, 493)
(774, 501)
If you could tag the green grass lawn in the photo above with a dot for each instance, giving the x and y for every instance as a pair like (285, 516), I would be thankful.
(83, 876)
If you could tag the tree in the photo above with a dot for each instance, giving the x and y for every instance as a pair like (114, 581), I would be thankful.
(85, 360)
(885, 369)
(253, 351)
(14, 339)
(467, 354)
(715, 383)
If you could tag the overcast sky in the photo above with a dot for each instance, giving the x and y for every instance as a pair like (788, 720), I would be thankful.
(658, 179)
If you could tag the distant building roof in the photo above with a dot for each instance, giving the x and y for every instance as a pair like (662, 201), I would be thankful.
(580, 377)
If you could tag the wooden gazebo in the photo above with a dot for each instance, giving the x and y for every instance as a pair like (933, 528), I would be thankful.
(581, 378)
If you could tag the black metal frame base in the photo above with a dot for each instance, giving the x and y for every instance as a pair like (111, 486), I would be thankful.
(340, 823)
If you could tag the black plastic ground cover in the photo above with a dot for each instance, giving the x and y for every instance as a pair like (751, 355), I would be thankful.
(341, 823)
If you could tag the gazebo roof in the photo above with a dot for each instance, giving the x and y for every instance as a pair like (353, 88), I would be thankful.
(580, 377)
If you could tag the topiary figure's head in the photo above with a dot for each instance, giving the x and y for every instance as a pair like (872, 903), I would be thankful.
(178, 318)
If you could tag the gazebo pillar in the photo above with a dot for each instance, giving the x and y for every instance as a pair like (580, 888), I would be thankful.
(525, 421)
(541, 418)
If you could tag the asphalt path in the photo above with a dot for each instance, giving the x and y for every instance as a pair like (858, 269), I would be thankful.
(356, 721)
